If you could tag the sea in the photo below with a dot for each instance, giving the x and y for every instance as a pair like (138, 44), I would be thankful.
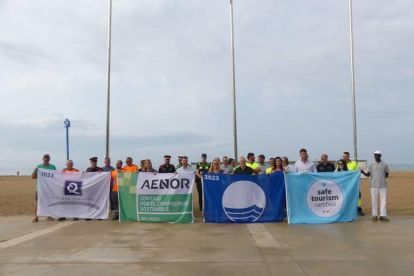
(27, 171)
(402, 167)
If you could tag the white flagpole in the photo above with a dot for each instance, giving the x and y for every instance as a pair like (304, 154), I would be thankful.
(233, 74)
(108, 90)
(353, 81)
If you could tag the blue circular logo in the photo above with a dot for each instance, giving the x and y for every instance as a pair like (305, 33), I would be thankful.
(244, 201)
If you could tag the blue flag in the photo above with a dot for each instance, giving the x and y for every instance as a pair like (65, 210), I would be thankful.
(322, 197)
(243, 198)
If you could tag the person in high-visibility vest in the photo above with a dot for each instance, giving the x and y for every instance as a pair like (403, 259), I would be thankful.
(180, 164)
(69, 168)
(114, 191)
(353, 166)
(271, 164)
(129, 166)
(232, 162)
(250, 162)
(202, 167)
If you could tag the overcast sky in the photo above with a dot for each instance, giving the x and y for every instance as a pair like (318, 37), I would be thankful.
(171, 87)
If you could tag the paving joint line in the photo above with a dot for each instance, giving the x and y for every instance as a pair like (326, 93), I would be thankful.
(254, 237)
(27, 237)
(284, 249)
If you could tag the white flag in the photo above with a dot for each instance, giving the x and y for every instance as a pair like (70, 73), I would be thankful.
(73, 194)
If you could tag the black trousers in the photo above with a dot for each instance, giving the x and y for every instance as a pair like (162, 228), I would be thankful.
(113, 199)
(200, 193)
(359, 208)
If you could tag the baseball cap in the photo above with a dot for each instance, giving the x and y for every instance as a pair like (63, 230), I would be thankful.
(377, 152)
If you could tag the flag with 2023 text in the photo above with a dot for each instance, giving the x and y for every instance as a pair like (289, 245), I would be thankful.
(163, 197)
(243, 198)
(73, 194)
(322, 197)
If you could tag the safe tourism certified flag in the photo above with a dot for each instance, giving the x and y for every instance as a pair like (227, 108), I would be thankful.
(73, 194)
(243, 198)
(164, 197)
(322, 197)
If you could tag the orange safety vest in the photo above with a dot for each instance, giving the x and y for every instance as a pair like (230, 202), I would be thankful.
(132, 168)
(67, 170)
(114, 175)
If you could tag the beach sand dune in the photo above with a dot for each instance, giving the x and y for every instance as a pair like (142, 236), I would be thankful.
(17, 195)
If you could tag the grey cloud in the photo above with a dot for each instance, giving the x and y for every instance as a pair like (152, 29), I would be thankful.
(51, 124)
(28, 137)
(24, 53)
(172, 59)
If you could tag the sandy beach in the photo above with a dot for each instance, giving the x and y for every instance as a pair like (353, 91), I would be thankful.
(17, 195)
(110, 248)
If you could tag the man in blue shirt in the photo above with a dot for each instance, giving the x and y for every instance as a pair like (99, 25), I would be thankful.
(109, 168)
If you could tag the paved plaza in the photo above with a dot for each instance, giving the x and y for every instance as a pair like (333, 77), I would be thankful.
(127, 248)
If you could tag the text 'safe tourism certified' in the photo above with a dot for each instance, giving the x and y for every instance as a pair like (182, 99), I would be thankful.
(325, 198)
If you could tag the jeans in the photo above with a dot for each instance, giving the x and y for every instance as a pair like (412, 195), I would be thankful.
(114, 202)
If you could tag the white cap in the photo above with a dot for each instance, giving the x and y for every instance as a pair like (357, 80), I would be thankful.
(377, 152)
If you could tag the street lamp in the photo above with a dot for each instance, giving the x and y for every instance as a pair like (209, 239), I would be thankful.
(67, 126)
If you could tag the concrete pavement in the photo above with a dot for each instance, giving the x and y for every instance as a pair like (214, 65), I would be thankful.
(112, 248)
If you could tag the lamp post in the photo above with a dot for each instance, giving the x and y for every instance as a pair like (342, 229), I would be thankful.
(67, 126)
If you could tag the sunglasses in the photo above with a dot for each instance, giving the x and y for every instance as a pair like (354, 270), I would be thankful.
(341, 164)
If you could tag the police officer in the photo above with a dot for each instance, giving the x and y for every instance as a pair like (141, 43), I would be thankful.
(180, 158)
(167, 167)
(114, 190)
(94, 167)
(202, 167)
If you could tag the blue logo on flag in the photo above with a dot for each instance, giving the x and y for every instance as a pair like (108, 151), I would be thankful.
(244, 201)
(243, 198)
(322, 197)
(73, 188)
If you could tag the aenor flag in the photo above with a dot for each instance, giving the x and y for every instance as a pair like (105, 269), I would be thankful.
(322, 197)
(73, 194)
(164, 197)
(243, 198)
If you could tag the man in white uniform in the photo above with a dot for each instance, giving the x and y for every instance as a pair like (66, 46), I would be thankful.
(378, 171)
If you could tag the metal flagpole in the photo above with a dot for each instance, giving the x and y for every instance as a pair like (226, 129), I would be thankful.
(233, 74)
(67, 126)
(353, 81)
(108, 90)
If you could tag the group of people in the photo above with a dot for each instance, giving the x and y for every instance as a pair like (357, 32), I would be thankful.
(378, 171)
